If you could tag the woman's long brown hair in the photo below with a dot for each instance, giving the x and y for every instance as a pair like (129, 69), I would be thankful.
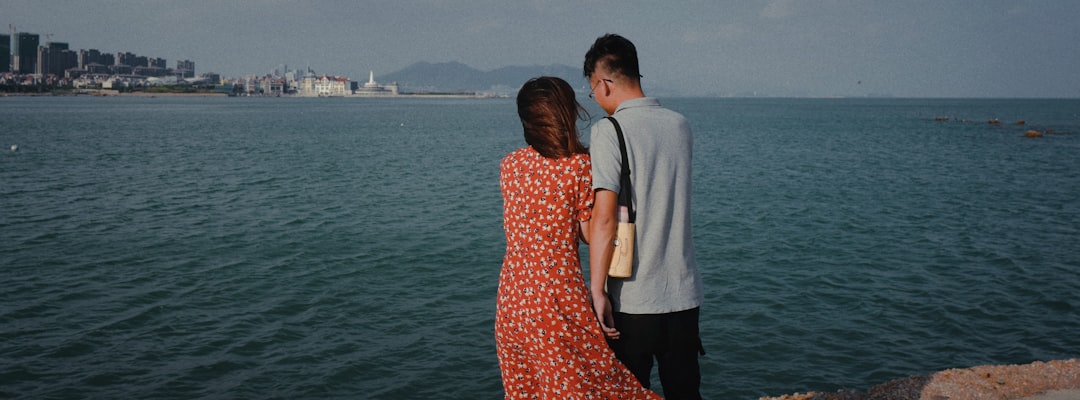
(549, 112)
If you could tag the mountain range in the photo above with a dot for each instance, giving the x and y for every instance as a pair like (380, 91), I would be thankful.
(455, 77)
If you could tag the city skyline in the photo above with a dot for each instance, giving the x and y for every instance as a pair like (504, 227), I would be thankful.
(911, 48)
(26, 54)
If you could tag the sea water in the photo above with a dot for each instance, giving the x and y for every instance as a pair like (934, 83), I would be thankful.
(229, 248)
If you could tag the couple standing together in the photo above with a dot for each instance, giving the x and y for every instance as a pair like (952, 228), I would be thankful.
(556, 336)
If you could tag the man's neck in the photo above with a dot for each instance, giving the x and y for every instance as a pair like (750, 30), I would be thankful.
(623, 96)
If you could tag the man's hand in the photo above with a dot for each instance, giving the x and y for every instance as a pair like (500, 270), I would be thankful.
(602, 307)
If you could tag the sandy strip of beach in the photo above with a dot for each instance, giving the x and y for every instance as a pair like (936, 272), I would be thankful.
(1050, 380)
(168, 94)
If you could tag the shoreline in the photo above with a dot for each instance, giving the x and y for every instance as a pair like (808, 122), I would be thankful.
(1050, 380)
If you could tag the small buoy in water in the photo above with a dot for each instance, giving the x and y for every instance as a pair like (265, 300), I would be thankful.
(1033, 134)
(14, 147)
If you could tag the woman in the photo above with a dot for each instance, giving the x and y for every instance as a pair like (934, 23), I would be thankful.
(549, 342)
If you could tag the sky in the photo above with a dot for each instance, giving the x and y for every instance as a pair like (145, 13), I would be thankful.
(801, 48)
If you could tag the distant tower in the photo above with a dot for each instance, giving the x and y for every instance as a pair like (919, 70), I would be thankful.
(5, 53)
(371, 85)
(26, 45)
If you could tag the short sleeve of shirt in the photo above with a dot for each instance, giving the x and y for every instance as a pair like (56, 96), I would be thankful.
(584, 188)
(606, 159)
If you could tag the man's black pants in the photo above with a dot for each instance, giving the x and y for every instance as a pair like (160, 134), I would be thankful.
(674, 342)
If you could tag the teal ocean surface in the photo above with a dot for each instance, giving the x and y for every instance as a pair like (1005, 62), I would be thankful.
(257, 248)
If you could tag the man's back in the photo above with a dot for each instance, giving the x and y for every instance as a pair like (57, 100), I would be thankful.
(659, 148)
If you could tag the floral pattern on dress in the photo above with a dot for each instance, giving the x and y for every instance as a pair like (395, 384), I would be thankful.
(549, 343)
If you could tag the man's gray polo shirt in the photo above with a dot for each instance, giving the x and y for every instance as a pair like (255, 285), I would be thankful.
(660, 149)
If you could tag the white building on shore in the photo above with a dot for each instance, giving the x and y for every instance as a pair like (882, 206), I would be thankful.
(371, 88)
(323, 86)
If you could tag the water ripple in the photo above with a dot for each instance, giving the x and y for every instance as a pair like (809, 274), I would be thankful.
(336, 248)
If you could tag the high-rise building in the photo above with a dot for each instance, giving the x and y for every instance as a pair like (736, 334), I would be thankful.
(55, 59)
(5, 53)
(125, 58)
(26, 45)
(185, 68)
(87, 57)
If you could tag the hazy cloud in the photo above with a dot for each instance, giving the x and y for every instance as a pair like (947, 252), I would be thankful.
(779, 9)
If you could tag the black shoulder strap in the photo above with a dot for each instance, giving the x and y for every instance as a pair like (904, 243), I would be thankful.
(625, 197)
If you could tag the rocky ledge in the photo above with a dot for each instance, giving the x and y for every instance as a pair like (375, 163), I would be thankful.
(1058, 379)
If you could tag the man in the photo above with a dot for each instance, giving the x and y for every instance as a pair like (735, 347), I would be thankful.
(653, 313)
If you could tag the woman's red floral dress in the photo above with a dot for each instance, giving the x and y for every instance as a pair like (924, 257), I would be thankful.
(549, 342)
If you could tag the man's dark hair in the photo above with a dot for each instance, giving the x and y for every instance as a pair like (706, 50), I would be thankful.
(615, 54)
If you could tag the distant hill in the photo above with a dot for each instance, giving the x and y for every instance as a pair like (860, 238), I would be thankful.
(424, 77)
